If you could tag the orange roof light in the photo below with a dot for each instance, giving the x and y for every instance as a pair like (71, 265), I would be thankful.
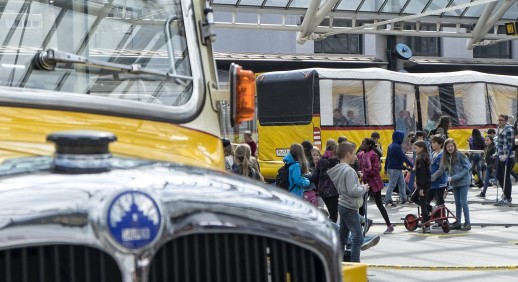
(242, 87)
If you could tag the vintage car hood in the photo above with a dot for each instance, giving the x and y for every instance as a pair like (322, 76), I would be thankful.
(81, 200)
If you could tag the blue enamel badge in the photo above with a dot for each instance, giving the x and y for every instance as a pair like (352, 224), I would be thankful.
(133, 219)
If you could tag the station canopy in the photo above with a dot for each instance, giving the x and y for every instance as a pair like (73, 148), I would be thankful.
(476, 20)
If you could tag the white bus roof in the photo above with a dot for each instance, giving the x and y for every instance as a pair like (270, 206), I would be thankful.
(412, 78)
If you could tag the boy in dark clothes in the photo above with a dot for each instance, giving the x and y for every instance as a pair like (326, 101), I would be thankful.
(394, 168)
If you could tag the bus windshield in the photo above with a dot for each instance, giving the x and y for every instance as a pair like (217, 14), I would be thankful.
(120, 51)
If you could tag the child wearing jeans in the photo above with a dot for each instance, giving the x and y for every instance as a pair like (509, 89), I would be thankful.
(489, 152)
(350, 198)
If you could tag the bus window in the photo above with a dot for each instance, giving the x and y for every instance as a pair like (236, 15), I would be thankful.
(349, 99)
(378, 95)
(470, 100)
(405, 108)
(506, 102)
(348, 107)
(286, 99)
(430, 105)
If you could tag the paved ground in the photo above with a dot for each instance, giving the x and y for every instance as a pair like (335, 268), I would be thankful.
(482, 254)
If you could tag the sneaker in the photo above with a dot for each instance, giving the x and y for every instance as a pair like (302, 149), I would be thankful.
(481, 195)
(504, 201)
(347, 256)
(389, 230)
(369, 223)
(425, 229)
(466, 227)
(370, 242)
(455, 226)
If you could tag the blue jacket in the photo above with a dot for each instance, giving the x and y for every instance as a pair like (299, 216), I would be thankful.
(395, 154)
(460, 171)
(297, 181)
(441, 181)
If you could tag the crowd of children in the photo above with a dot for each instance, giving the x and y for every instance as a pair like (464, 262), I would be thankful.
(344, 174)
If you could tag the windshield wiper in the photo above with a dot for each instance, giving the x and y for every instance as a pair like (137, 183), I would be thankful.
(48, 59)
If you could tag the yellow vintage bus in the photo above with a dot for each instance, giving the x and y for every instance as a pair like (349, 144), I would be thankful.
(318, 104)
(111, 162)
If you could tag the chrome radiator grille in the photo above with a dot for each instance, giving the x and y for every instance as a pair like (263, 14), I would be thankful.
(57, 263)
(234, 257)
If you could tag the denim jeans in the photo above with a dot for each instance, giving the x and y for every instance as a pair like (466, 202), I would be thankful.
(350, 222)
(476, 164)
(487, 176)
(461, 203)
(503, 174)
(395, 178)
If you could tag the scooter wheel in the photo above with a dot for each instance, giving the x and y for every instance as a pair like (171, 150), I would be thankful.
(411, 222)
(445, 226)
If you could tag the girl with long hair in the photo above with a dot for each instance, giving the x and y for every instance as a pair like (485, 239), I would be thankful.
(423, 180)
(298, 167)
(443, 125)
(243, 164)
(370, 166)
(489, 152)
(457, 166)
(476, 142)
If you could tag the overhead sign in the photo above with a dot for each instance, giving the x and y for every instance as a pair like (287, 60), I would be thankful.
(510, 28)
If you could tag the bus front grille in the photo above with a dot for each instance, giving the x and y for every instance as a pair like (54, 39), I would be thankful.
(55, 263)
(234, 257)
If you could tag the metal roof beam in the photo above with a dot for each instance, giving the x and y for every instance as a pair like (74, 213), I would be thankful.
(311, 13)
(411, 17)
(321, 29)
(318, 15)
(487, 21)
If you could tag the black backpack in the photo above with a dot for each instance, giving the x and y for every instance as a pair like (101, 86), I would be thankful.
(282, 179)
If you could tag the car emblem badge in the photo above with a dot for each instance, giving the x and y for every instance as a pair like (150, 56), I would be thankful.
(133, 219)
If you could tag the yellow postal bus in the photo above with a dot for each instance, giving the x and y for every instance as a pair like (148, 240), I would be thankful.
(111, 162)
(318, 104)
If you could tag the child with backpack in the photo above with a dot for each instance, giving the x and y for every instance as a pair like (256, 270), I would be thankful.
(325, 187)
(298, 166)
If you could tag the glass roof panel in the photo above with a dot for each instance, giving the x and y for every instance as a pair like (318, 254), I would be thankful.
(251, 2)
(276, 3)
(458, 12)
(349, 5)
(371, 6)
(233, 2)
(475, 11)
(512, 13)
(415, 7)
(300, 3)
(436, 5)
(394, 6)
